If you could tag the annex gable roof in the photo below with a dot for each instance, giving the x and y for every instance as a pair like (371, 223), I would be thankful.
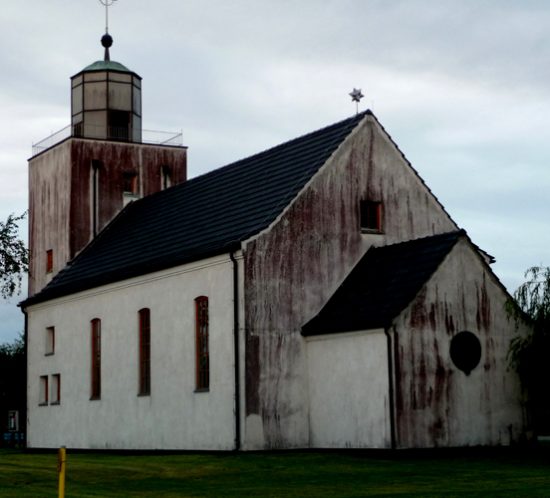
(208, 215)
(384, 281)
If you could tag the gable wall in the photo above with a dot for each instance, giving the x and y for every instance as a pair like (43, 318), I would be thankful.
(292, 269)
(174, 416)
(436, 403)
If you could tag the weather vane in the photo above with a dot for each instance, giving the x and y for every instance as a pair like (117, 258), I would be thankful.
(107, 4)
(356, 96)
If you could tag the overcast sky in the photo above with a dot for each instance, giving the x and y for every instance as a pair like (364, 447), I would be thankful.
(461, 86)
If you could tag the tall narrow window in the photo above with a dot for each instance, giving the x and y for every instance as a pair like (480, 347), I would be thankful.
(50, 340)
(56, 390)
(96, 166)
(49, 260)
(166, 179)
(371, 217)
(144, 352)
(96, 358)
(202, 356)
(43, 395)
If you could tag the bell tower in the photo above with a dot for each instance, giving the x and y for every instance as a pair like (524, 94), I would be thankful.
(81, 177)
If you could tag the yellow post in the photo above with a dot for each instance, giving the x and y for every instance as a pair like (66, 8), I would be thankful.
(61, 461)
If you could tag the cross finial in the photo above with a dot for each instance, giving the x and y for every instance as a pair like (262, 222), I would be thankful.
(107, 4)
(356, 96)
(107, 40)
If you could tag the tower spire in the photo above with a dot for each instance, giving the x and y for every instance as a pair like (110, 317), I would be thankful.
(107, 39)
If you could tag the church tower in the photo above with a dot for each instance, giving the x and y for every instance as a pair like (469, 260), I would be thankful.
(81, 177)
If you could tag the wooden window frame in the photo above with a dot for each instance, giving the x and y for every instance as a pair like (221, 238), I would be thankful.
(371, 216)
(144, 352)
(56, 389)
(44, 391)
(202, 353)
(95, 350)
(49, 261)
(50, 341)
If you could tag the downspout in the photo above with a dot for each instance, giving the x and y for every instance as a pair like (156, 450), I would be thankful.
(26, 352)
(236, 350)
(391, 390)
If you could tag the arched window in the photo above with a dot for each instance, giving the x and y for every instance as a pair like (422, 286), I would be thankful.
(202, 360)
(96, 358)
(144, 352)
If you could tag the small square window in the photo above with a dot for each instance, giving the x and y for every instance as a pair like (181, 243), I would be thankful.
(49, 260)
(56, 390)
(371, 217)
(50, 340)
(43, 395)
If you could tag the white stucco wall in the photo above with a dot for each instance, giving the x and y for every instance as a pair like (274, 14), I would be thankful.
(349, 390)
(174, 416)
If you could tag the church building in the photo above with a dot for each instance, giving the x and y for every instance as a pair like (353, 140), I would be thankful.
(314, 295)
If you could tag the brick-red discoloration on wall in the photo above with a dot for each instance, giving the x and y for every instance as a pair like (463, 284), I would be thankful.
(292, 269)
(436, 403)
(60, 192)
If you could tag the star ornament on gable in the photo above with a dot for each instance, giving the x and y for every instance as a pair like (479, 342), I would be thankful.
(356, 96)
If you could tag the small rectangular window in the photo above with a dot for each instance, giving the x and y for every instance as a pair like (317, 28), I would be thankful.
(49, 260)
(43, 395)
(202, 361)
(144, 352)
(130, 183)
(50, 340)
(96, 359)
(56, 390)
(371, 217)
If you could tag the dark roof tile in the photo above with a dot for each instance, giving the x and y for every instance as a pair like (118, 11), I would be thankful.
(204, 216)
(381, 285)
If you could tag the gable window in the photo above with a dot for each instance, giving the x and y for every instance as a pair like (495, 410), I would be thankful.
(371, 217)
(144, 352)
(201, 339)
(49, 260)
(56, 390)
(50, 340)
(96, 359)
(43, 395)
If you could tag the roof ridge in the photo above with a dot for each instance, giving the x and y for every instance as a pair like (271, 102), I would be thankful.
(191, 181)
(424, 238)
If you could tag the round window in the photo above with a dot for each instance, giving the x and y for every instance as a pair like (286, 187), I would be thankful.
(465, 351)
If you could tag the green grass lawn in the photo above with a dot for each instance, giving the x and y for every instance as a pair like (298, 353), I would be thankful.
(292, 474)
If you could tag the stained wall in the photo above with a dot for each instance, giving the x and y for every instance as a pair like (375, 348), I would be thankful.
(437, 404)
(61, 200)
(294, 267)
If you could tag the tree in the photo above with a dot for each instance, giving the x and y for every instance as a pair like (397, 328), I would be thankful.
(530, 354)
(12, 382)
(14, 257)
